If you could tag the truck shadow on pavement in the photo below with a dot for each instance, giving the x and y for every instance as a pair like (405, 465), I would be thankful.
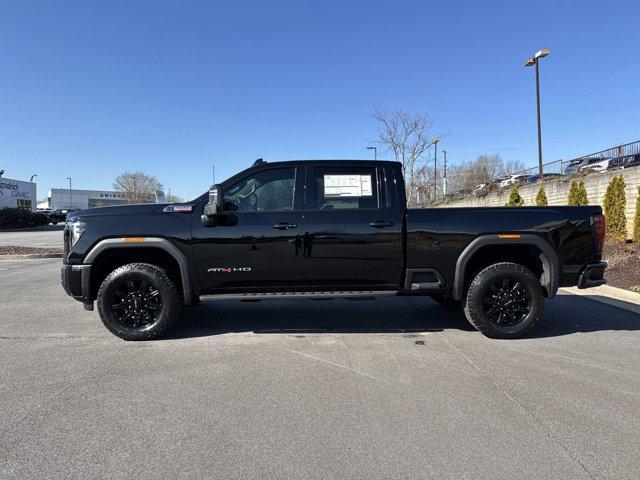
(299, 316)
(565, 315)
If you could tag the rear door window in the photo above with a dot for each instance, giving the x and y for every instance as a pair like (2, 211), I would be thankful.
(340, 188)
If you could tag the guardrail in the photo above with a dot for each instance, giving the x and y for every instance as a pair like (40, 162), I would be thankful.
(615, 156)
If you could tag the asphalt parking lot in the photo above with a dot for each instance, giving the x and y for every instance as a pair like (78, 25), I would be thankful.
(49, 237)
(396, 388)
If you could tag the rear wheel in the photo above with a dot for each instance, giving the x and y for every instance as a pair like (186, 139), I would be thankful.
(139, 301)
(504, 300)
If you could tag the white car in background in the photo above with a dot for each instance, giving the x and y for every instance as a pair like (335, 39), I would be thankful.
(513, 180)
(480, 189)
(573, 166)
(596, 164)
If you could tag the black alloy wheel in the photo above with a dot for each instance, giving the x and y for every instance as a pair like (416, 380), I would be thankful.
(136, 303)
(507, 302)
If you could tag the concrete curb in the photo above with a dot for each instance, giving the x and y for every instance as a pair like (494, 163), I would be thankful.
(618, 297)
(30, 256)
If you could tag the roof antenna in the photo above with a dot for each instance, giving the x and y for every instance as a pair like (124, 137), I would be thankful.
(259, 161)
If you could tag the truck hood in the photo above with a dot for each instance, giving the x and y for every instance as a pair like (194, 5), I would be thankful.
(137, 209)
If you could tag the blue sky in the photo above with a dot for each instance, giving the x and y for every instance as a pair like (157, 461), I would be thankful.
(89, 89)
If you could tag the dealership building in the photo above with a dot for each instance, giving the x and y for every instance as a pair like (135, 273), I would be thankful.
(16, 193)
(68, 198)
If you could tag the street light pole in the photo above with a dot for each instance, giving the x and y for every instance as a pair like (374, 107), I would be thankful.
(529, 63)
(70, 198)
(539, 126)
(375, 152)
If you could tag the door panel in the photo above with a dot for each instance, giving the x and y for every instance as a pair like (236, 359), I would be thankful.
(345, 245)
(246, 251)
(255, 243)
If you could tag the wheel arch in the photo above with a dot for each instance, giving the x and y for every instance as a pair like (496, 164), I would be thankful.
(551, 266)
(149, 244)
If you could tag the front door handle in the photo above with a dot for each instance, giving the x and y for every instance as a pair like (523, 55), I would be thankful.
(381, 224)
(284, 226)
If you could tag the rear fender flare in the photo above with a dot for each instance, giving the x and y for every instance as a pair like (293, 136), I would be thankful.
(551, 262)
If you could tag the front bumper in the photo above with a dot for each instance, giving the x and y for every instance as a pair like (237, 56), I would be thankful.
(76, 281)
(592, 275)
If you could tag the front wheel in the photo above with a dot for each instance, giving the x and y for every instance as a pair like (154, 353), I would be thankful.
(139, 301)
(504, 300)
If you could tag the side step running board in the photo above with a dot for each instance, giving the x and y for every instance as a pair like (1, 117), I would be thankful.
(350, 295)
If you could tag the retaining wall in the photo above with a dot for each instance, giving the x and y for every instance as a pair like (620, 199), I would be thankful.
(558, 192)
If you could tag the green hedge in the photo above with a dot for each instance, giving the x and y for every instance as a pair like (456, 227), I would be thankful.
(21, 218)
(515, 200)
(578, 194)
(615, 201)
(541, 198)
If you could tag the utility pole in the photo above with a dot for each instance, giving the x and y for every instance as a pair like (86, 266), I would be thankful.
(444, 152)
(70, 201)
(214, 173)
(435, 167)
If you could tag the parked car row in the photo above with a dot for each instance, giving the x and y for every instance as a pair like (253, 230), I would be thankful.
(584, 165)
(59, 215)
(505, 182)
(600, 164)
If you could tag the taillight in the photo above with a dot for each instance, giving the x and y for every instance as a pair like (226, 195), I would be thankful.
(598, 230)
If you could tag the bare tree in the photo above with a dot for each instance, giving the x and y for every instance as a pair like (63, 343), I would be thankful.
(408, 137)
(457, 178)
(137, 186)
(513, 166)
(174, 198)
(423, 185)
(488, 167)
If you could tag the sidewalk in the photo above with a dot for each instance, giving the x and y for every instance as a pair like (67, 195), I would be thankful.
(617, 297)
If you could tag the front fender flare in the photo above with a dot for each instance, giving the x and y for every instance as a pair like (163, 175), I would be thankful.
(153, 242)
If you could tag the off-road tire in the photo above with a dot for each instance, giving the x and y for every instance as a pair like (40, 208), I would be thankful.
(475, 294)
(156, 276)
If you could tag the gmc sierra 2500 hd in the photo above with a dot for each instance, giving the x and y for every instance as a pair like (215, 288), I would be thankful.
(325, 229)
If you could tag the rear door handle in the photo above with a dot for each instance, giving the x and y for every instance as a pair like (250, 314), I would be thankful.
(284, 226)
(381, 224)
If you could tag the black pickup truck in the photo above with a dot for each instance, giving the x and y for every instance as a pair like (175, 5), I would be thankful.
(325, 229)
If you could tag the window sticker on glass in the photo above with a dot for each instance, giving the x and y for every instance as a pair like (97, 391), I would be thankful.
(347, 186)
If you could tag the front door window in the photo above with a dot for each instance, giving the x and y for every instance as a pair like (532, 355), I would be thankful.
(265, 191)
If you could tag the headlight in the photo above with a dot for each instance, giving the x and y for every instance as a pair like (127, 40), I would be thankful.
(76, 229)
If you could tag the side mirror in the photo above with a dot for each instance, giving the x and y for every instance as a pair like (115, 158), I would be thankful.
(214, 205)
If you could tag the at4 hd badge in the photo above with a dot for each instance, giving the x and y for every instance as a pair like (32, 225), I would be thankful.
(228, 269)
